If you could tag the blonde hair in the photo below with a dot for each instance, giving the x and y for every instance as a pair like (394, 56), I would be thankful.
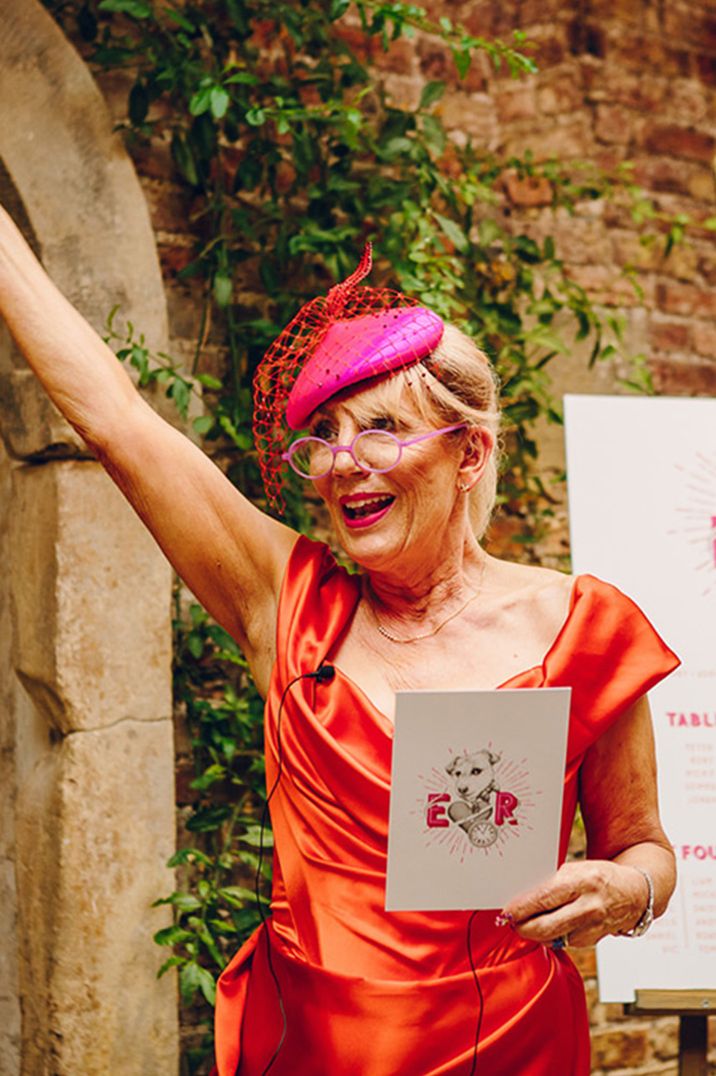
(456, 383)
(462, 386)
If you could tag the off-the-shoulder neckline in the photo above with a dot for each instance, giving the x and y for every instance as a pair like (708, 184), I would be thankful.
(575, 593)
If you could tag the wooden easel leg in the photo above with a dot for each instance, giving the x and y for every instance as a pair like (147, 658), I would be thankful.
(693, 1033)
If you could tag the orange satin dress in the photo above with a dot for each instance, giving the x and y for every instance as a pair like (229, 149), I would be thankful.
(375, 993)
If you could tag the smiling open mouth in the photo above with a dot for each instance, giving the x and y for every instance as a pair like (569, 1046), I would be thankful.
(366, 510)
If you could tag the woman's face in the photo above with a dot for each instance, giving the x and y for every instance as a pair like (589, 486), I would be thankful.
(396, 519)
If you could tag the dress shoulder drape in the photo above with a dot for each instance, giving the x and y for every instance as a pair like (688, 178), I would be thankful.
(371, 993)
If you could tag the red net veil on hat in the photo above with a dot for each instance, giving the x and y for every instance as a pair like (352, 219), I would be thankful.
(351, 334)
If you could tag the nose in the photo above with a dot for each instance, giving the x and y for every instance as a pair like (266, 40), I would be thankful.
(462, 789)
(343, 463)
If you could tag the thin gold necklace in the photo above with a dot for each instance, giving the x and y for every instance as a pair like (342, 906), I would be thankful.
(426, 634)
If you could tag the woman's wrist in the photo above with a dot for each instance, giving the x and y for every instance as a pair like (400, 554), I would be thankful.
(646, 917)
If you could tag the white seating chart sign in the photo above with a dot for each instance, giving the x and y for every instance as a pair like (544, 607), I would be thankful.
(642, 501)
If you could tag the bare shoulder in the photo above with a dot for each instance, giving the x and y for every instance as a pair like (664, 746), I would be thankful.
(539, 595)
(528, 580)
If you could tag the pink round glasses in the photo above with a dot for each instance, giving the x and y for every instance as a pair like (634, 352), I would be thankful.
(376, 451)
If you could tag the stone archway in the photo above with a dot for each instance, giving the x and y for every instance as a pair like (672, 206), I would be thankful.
(86, 759)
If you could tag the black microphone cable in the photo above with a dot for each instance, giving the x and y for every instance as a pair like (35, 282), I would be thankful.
(475, 976)
(323, 675)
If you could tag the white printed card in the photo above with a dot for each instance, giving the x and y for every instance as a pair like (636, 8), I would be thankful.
(476, 797)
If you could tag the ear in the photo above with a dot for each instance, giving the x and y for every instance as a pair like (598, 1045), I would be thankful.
(478, 448)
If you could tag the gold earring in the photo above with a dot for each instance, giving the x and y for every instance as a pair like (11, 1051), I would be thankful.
(463, 487)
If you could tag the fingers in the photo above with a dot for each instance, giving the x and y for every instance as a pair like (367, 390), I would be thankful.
(558, 890)
(581, 922)
(581, 901)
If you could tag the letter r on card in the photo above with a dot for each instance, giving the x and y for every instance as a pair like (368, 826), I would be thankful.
(505, 804)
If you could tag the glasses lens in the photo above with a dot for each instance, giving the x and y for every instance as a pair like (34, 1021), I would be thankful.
(376, 450)
(311, 457)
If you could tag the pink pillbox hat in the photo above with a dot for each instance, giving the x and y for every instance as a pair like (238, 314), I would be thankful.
(357, 350)
(345, 338)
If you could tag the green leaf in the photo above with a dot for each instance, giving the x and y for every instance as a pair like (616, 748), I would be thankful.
(184, 159)
(541, 336)
(238, 895)
(337, 8)
(223, 289)
(208, 381)
(193, 977)
(462, 60)
(255, 117)
(207, 819)
(432, 92)
(203, 423)
(434, 134)
(195, 645)
(172, 962)
(396, 147)
(172, 935)
(136, 9)
(489, 231)
(220, 100)
(243, 77)
(200, 102)
(188, 855)
(527, 249)
(252, 836)
(180, 392)
(140, 361)
(453, 231)
(184, 902)
(209, 777)
(179, 20)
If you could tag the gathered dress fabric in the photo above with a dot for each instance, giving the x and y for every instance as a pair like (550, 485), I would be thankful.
(373, 993)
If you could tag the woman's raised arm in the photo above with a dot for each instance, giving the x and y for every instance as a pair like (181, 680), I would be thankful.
(230, 554)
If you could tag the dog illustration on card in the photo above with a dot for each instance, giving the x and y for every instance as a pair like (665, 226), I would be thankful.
(478, 805)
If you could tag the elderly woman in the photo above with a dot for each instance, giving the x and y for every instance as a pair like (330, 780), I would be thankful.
(398, 419)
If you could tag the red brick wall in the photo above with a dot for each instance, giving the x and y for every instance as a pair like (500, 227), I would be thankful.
(623, 80)
(619, 80)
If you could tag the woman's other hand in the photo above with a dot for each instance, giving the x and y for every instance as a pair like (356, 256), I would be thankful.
(582, 903)
(608, 893)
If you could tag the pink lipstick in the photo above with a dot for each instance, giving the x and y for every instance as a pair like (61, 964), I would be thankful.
(364, 509)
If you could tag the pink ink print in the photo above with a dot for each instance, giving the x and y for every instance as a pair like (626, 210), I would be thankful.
(435, 812)
(695, 526)
(505, 804)
(467, 807)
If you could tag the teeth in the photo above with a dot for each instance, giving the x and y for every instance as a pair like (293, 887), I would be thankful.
(366, 505)
(366, 502)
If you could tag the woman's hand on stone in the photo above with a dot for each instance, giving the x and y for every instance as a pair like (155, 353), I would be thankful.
(581, 903)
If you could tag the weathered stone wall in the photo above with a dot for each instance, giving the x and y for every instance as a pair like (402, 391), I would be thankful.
(86, 744)
(626, 80)
(10, 1027)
